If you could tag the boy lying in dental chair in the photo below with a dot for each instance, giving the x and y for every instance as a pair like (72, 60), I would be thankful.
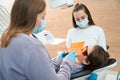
(90, 56)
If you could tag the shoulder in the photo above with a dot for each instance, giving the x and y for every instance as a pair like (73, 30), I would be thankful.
(24, 40)
(26, 46)
(96, 27)
(72, 30)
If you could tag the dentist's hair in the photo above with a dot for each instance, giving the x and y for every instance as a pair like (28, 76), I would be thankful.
(22, 19)
(83, 7)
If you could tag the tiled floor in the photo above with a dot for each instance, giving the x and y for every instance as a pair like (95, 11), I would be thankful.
(105, 14)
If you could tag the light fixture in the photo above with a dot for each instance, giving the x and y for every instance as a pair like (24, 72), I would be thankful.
(61, 3)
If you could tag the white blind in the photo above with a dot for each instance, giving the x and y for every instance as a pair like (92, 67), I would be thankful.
(7, 4)
(5, 9)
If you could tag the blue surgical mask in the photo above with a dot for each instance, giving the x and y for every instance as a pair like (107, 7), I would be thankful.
(41, 28)
(83, 23)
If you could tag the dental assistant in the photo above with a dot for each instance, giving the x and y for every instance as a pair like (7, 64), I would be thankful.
(84, 29)
(23, 57)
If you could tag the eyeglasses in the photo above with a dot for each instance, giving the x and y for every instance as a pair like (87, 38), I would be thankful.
(85, 51)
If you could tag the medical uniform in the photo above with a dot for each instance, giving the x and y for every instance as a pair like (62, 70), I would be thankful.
(25, 58)
(92, 35)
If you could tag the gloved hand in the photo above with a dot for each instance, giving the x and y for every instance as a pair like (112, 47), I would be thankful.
(71, 56)
(62, 54)
(93, 76)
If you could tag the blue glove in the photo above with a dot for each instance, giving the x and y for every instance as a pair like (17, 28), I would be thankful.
(93, 76)
(62, 54)
(71, 56)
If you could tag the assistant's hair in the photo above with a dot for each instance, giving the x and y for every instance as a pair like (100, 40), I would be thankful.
(83, 7)
(22, 19)
(98, 57)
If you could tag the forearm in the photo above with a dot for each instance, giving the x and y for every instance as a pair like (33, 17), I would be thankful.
(65, 70)
(38, 65)
(56, 63)
(42, 69)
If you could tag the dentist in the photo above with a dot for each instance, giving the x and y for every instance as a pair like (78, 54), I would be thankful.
(23, 57)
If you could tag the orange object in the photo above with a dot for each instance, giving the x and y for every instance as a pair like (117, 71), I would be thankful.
(77, 46)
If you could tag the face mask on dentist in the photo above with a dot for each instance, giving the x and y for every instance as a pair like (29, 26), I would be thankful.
(83, 23)
(41, 28)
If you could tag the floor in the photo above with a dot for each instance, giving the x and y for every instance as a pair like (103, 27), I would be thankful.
(105, 14)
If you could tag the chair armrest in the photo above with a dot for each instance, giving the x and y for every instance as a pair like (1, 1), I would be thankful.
(80, 74)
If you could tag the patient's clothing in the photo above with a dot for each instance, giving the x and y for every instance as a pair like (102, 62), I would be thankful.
(93, 35)
(77, 68)
(25, 58)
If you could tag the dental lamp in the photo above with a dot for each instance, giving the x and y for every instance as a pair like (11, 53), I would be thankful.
(61, 3)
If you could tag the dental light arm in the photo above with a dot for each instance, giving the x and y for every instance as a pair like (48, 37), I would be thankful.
(61, 3)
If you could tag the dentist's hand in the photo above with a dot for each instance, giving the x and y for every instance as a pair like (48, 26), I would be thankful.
(71, 56)
(62, 54)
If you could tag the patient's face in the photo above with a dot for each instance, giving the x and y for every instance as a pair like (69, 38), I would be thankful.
(90, 49)
(85, 51)
(82, 54)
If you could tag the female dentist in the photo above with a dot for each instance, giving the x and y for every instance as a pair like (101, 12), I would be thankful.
(23, 57)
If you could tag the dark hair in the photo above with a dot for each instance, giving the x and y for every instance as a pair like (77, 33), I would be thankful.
(98, 57)
(78, 7)
(23, 18)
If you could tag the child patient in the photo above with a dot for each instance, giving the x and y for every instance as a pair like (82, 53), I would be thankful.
(92, 56)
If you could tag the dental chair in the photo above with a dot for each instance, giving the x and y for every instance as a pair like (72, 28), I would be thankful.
(102, 71)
